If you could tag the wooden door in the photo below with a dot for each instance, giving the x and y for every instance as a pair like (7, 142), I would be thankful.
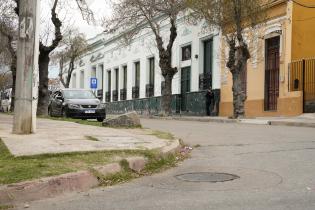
(272, 73)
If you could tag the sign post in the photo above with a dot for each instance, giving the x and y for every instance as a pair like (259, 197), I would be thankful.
(93, 84)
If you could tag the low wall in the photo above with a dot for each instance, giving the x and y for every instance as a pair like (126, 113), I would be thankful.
(195, 104)
(143, 106)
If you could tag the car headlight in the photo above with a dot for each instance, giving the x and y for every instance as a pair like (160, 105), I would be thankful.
(101, 106)
(74, 106)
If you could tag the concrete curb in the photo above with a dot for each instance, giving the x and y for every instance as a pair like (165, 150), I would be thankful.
(72, 182)
(198, 119)
(136, 164)
(172, 148)
(240, 121)
(47, 187)
(295, 124)
(218, 120)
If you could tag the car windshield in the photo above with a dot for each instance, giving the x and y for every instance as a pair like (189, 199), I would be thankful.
(78, 94)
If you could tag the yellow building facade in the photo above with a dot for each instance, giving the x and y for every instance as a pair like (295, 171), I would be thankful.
(287, 35)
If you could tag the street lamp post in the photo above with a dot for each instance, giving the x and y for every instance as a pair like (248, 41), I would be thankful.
(27, 68)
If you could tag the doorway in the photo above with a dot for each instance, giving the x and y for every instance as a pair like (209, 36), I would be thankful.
(207, 64)
(185, 87)
(272, 73)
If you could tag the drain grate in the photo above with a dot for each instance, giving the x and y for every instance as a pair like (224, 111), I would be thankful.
(206, 177)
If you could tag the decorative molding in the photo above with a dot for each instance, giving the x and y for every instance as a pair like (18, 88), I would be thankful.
(92, 59)
(81, 63)
(255, 46)
(97, 57)
(100, 56)
(186, 32)
(274, 28)
(205, 29)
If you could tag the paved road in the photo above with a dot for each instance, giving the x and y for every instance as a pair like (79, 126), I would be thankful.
(276, 166)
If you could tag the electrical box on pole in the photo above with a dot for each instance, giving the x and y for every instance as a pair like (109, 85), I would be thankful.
(27, 68)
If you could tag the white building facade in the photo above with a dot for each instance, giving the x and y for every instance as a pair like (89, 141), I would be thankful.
(129, 74)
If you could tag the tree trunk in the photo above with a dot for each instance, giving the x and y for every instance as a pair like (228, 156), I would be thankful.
(68, 80)
(71, 68)
(43, 92)
(238, 95)
(238, 57)
(165, 63)
(167, 96)
(43, 61)
(13, 71)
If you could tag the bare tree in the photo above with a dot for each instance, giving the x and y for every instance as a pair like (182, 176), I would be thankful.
(8, 30)
(43, 61)
(86, 12)
(234, 18)
(130, 17)
(74, 46)
(46, 49)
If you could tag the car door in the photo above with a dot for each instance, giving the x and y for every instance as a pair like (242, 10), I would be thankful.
(51, 104)
(56, 104)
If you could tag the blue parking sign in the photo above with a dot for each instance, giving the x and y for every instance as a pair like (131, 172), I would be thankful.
(93, 83)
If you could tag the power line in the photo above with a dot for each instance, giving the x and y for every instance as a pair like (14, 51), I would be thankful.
(304, 5)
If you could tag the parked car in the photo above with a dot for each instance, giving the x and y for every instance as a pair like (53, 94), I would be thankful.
(5, 105)
(76, 103)
(5, 100)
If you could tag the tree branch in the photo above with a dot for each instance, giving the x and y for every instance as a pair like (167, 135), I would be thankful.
(58, 36)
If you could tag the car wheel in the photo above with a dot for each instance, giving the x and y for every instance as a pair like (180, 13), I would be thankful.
(50, 112)
(100, 119)
(64, 114)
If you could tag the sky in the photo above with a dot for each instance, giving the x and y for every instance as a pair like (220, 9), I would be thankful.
(99, 8)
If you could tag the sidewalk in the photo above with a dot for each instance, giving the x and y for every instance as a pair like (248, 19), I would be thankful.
(49, 175)
(305, 120)
(54, 136)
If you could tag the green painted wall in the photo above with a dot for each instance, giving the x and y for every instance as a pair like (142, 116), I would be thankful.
(195, 105)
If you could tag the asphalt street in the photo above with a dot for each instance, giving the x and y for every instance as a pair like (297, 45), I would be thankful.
(275, 166)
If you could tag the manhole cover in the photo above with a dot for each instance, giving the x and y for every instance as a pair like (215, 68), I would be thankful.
(206, 177)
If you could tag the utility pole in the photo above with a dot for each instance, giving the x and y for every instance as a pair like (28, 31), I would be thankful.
(27, 68)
